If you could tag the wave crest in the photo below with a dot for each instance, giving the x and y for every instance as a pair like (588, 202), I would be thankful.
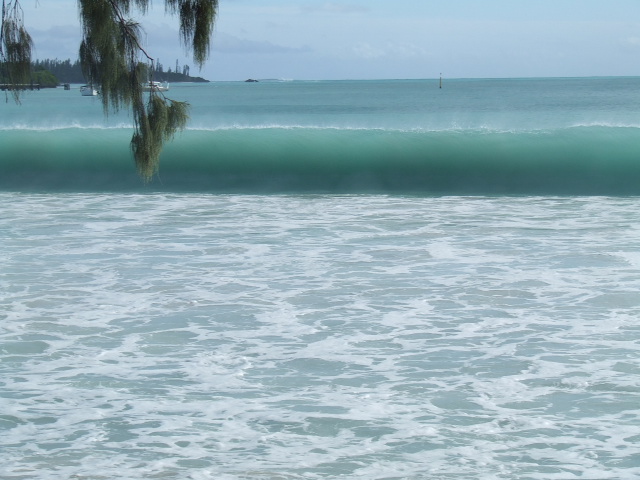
(275, 158)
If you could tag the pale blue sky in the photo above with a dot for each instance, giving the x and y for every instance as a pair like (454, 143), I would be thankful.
(353, 39)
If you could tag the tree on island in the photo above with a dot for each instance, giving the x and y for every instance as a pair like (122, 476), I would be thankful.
(114, 61)
(64, 70)
(44, 78)
(71, 72)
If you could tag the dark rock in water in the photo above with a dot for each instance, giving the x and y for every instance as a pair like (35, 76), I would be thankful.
(251, 80)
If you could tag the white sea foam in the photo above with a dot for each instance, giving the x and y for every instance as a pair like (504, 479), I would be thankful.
(284, 337)
(64, 126)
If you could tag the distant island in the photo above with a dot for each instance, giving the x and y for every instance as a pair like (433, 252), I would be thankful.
(58, 72)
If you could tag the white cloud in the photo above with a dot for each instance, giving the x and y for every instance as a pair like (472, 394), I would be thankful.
(226, 43)
(632, 41)
(365, 50)
(391, 49)
(60, 42)
(334, 7)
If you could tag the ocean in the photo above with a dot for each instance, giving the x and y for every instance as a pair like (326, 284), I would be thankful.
(376, 280)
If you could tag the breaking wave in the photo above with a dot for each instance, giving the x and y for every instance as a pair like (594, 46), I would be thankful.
(581, 160)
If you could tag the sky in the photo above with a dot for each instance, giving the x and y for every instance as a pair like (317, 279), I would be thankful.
(382, 39)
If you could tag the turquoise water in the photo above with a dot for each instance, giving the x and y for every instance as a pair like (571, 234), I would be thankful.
(544, 136)
(326, 280)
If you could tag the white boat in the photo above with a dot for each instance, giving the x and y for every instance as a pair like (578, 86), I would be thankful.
(88, 91)
(156, 86)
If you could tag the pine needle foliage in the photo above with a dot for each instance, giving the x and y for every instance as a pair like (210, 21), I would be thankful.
(15, 48)
(115, 62)
(196, 24)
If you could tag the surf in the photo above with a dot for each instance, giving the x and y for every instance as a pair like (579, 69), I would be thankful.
(580, 160)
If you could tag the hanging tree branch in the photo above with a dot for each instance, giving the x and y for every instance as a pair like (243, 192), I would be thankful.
(110, 54)
(15, 48)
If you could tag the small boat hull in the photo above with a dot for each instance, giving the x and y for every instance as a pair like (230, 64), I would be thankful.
(88, 91)
(155, 87)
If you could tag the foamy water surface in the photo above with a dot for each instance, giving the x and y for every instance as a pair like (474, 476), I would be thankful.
(288, 337)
